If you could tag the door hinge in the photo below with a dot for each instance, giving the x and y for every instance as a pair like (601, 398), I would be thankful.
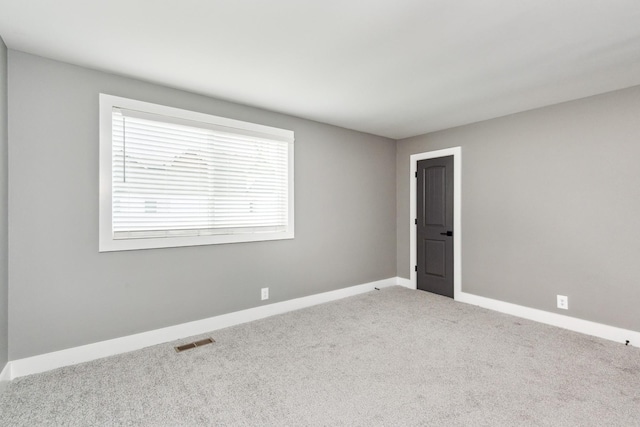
(416, 174)
(415, 221)
(416, 268)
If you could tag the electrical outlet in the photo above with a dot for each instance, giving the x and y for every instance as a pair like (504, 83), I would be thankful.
(264, 293)
(563, 302)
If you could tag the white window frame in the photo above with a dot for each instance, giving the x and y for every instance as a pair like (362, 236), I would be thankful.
(106, 241)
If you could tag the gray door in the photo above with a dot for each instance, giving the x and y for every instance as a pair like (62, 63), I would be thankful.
(435, 225)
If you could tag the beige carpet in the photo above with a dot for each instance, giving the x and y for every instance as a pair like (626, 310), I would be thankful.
(390, 357)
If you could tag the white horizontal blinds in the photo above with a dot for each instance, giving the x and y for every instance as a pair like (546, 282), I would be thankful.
(172, 177)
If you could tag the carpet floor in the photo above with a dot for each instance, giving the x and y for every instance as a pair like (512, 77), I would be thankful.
(394, 357)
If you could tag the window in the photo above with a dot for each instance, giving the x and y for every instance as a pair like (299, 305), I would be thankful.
(171, 177)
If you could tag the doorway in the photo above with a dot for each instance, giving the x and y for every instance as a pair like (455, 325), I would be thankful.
(435, 221)
(434, 226)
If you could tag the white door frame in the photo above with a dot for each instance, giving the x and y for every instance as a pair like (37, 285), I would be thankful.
(456, 152)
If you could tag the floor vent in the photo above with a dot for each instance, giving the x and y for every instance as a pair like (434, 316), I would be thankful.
(194, 344)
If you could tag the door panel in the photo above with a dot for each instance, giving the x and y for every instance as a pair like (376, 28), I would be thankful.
(435, 258)
(434, 196)
(435, 225)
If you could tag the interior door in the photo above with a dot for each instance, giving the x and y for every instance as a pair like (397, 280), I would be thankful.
(435, 225)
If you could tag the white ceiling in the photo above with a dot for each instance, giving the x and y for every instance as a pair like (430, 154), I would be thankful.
(393, 68)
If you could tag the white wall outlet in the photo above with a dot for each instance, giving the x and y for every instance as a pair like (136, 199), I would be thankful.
(264, 294)
(563, 302)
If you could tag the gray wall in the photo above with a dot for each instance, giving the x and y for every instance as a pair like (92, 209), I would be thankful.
(64, 293)
(4, 286)
(550, 205)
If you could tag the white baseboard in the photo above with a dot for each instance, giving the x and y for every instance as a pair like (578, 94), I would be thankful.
(405, 282)
(85, 353)
(573, 324)
(5, 375)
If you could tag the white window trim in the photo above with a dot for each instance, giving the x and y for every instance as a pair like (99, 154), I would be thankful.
(106, 241)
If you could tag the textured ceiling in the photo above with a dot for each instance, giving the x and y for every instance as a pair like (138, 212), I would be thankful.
(393, 68)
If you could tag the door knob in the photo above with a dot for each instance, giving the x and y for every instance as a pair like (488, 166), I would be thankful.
(448, 233)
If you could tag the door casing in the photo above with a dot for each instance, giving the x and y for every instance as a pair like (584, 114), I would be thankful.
(456, 152)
